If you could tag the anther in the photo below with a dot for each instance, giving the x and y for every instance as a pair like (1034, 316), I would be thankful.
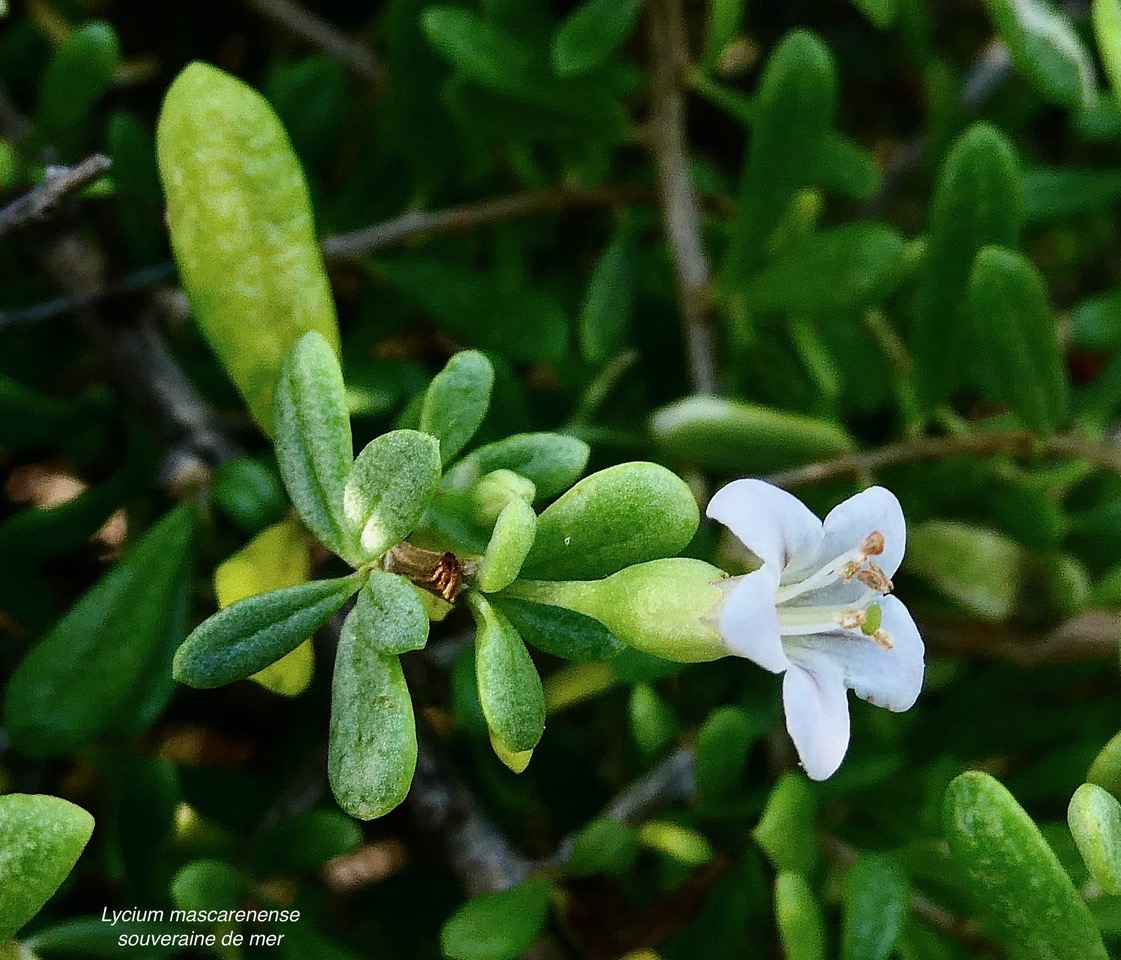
(873, 544)
(851, 619)
(872, 576)
(883, 641)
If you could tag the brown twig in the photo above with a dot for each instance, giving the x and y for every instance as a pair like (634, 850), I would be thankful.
(57, 183)
(417, 223)
(671, 781)
(965, 931)
(319, 33)
(1105, 455)
(680, 207)
(479, 855)
(1090, 635)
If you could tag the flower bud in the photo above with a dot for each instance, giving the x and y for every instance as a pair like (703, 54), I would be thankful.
(494, 492)
(669, 607)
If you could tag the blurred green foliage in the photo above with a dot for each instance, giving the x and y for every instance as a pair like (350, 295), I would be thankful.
(907, 216)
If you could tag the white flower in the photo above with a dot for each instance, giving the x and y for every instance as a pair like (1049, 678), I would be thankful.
(819, 611)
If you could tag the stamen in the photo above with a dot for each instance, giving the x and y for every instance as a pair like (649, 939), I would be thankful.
(873, 544)
(872, 576)
(883, 640)
(849, 566)
(851, 619)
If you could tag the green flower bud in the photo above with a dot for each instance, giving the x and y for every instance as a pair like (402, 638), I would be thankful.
(494, 492)
(669, 607)
(249, 493)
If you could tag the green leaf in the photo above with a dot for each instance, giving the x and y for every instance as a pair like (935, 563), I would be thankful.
(1096, 321)
(725, 18)
(247, 636)
(41, 839)
(847, 169)
(500, 925)
(1094, 816)
(1014, 878)
(279, 556)
(481, 50)
(592, 33)
(509, 545)
(605, 315)
(1022, 358)
(876, 904)
(793, 116)
(137, 195)
(391, 484)
(79, 681)
(207, 885)
(1046, 48)
(880, 12)
(456, 401)
(1105, 771)
(146, 796)
(798, 917)
(677, 842)
(522, 323)
(786, 830)
(314, 448)
(1106, 18)
(560, 631)
(495, 492)
(1051, 195)
(93, 937)
(249, 493)
(977, 202)
(80, 72)
(388, 617)
(840, 270)
(654, 724)
(722, 747)
(497, 60)
(552, 462)
(605, 845)
(743, 438)
(241, 229)
(980, 569)
(509, 686)
(373, 748)
(620, 516)
(32, 419)
(307, 841)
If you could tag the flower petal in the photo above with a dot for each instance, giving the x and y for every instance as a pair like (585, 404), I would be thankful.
(817, 716)
(887, 678)
(773, 524)
(749, 620)
(850, 522)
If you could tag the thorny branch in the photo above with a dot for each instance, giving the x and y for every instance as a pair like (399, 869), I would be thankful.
(319, 33)
(966, 932)
(57, 183)
(481, 857)
(680, 207)
(139, 360)
(418, 223)
(1105, 455)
